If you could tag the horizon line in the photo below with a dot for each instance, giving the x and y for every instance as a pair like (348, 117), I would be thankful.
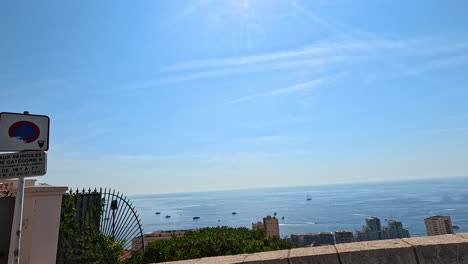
(307, 185)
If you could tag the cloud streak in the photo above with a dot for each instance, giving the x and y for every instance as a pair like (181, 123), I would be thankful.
(318, 51)
(300, 87)
(385, 59)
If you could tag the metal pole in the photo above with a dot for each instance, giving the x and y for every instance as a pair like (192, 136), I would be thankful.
(113, 223)
(19, 218)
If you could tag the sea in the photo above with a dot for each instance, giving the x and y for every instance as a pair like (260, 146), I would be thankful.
(331, 208)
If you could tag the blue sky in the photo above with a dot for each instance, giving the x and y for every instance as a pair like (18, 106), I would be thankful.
(195, 95)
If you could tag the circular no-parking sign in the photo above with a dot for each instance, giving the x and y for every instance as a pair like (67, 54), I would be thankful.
(24, 130)
(20, 132)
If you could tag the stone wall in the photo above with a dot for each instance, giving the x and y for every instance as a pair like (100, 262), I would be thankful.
(446, 249)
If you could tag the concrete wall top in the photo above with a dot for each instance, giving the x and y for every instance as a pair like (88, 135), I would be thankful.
(446, 249)
(40, 190)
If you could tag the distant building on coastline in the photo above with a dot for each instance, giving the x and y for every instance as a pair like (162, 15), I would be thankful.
(344, 236)
(374, 231)
(371, 231)
(325, 238)
(313, 239)
(438, 225)
(394, 230)
(373, 223)
(307, 239)
(257, 226)
(270, 225)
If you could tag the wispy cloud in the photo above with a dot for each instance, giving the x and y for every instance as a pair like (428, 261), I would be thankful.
(286, 90)
(310, 64)
(316, 19)
(308, 85)
(320, 50)
(385, 59)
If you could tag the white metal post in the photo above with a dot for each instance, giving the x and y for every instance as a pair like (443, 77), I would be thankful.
(19, 218)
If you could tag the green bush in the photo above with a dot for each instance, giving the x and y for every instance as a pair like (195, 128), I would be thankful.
(212, 241)
(80, 240)
(136, 258)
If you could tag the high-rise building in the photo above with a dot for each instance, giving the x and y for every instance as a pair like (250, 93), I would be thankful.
(361, 235)
(373, 230)
(313, 239)
(297, 239)
(307, 239)
(344, 236)
(373, 223)
(438, 225)
(324, 238)
(394, 230)
(271, 226)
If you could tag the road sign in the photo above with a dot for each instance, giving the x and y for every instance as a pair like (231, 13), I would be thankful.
(23, 164)
(20, 132)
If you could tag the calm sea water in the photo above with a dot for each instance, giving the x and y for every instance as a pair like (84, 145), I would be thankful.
(332, 207)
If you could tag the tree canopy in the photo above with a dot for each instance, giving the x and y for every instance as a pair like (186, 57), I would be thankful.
(212, 241)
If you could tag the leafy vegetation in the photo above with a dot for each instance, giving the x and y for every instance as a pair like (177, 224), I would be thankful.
(212, 241)
(80, 240)
(136, 258)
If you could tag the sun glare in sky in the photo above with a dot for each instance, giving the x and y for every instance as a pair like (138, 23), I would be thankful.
(245, 7)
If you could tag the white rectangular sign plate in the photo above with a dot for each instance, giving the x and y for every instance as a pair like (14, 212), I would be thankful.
(19, 132)
(23, 164)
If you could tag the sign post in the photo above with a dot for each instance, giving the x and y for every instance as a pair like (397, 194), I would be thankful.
(19, 219)
(28, 135)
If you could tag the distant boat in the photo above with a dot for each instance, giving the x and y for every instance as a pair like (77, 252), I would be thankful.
(234, 213)
(158, 213)
(168, 216)
(456, 227)
(309, 198)
(196, 218)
